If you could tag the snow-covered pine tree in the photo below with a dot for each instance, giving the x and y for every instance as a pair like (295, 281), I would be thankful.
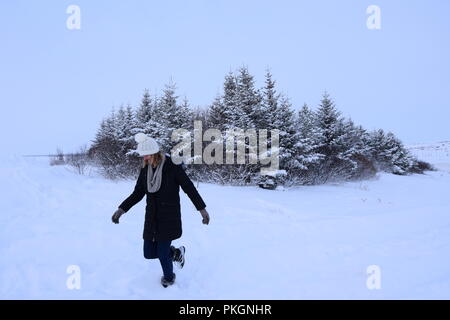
(234, 115)
(200, 114)
(366, 167)
(249, 98)
(183, 118)
(106, 148)
(328, 120)
(269, 102)
(150, 117)
(307, 155)
(217, 115)
(100, 142)
(353, 152)
(329, 123)
(283, 120)
(306, 123)
(169, 115)
(199, 172)
(389, 153)
(268, 118)
(144, 113)
(162, 124)
(184, 115)
(401, 160)
(377, 141)
(124, 126)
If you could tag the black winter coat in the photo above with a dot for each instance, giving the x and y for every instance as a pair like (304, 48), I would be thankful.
(162, 213)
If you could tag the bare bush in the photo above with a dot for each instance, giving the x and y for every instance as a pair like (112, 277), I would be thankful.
(79, 160)
(58, 158)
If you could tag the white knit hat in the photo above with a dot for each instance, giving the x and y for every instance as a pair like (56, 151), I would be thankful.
(146, 144)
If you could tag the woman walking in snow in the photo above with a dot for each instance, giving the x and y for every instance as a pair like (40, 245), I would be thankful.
(160, 180)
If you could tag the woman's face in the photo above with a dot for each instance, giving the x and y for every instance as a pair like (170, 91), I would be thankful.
(150, 158)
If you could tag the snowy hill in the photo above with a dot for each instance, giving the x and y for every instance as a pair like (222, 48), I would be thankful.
(300, 243)
(436, 153)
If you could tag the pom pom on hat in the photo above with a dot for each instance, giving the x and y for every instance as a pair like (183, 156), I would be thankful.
(140, 137)
(146, 144)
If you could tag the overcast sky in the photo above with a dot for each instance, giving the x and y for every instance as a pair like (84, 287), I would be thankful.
(56, 84)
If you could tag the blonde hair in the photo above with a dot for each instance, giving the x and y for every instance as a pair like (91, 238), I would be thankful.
(158, 158)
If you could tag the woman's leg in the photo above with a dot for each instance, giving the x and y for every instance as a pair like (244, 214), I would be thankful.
(165, 255)
(150, 251)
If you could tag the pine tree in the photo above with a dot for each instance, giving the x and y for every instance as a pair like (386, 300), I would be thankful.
(144, 113)
(389, 153)
(328, 121)
(150, 118)
(269, 103)
(106, 148)
(377, 140)
(103, 139)
(284, 122)
(234, 115)
(125, 126)
(162, 124)
(331, 129)
(183, 115)
(306, 123)
(217, 115)
(169, 115)
(227, 114)
(353, 152)
(249, 99)
(307, 155)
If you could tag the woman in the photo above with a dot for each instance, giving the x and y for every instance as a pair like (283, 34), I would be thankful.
(160, 180)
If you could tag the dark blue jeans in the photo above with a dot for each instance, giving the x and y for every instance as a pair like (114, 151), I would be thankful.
(162, 251)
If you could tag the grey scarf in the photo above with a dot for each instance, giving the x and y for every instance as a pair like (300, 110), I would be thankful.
(154, 180)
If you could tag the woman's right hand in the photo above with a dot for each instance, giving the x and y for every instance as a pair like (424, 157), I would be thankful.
(117, 214)
(205, 216)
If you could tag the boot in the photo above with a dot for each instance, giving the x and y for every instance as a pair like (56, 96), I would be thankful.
(165, 283)
(178, 256)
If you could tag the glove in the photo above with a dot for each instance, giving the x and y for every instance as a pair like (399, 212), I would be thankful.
(117, 214)
(205, 216)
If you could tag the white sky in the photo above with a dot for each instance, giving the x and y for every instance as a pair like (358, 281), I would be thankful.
(56, 84)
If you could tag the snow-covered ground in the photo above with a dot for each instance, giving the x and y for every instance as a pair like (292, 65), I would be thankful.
(301, 243)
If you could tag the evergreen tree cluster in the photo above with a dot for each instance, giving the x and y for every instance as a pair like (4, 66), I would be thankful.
(113, 149)
(315, 145)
